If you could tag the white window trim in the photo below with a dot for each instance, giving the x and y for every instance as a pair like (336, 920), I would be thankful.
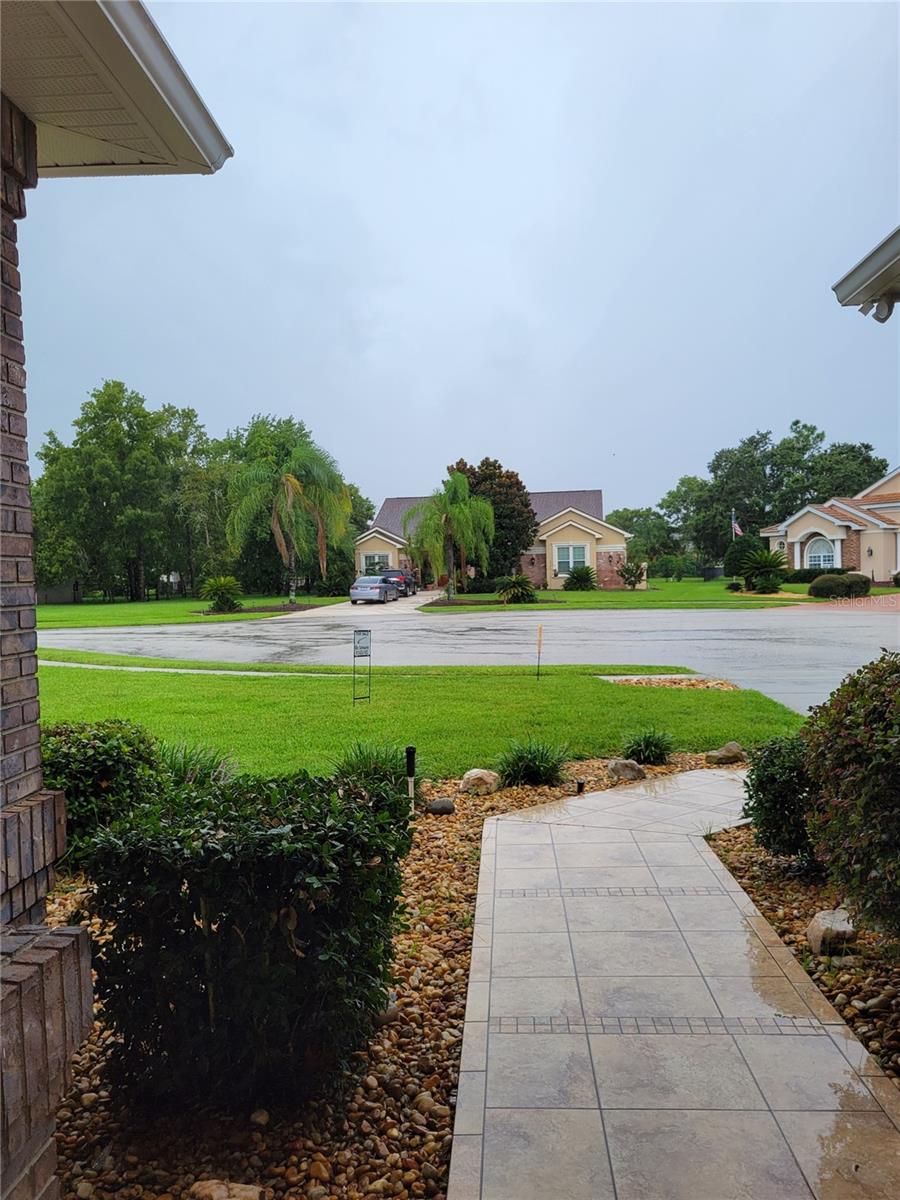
(835, 553)
(570, 546)
(376, 554)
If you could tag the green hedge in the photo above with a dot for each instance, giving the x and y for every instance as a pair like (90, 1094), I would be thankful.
(853, 761)
(832, 586)
(778, 796)
(249, 933)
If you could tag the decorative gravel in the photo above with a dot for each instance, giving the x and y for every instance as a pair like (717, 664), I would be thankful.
(863, 984)
(388, 1132)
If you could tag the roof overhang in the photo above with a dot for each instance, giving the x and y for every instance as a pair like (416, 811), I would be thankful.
(874, 283)
(376, 531)
(105, 91)
(822, 516)
(892, 474)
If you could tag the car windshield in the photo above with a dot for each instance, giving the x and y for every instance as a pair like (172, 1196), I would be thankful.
(368, 579)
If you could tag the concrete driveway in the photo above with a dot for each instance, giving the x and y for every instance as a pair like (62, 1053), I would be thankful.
(796, 655)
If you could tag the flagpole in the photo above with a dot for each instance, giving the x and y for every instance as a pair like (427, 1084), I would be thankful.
(732, 524)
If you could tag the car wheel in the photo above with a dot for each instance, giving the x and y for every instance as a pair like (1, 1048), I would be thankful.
(353, 601)
(383, 599)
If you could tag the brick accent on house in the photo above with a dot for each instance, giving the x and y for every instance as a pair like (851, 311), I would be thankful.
(850, 551)
(537, 571)
(46, 978)
(608, 563)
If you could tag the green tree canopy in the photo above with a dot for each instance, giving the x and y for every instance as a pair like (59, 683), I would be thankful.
(515, 524)
(652, 535)
(450, 519)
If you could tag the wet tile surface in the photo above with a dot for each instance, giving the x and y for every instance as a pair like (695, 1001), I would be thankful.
(636, 1031)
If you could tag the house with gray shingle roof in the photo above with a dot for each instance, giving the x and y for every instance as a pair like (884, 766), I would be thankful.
(571, 533)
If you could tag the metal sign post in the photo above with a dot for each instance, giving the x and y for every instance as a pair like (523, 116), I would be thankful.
(362, 679)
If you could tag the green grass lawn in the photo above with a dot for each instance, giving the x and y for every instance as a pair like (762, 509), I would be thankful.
(458, 717)
(662, 593)
(155, 612)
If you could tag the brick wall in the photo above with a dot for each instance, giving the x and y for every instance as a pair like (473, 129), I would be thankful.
(608, 563)
(46, 998)
(537, 571)
(850, 551)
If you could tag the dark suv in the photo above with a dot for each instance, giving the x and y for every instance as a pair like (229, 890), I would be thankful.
(405, 580)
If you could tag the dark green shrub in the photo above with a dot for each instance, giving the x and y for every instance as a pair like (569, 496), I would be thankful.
(808, 574)
(106, 769)
(896, 579)
(631, 574)
(853, 761)
(767, 583)
(369, 769)
(518, 589)
(673, 566)
(777, 790)
(481, 585)
(650, 746)
(857, 584)
(223, 592)
(580, 579)
(196, 766)
(737, 551)
(250, 935)
(734, 586)
(532, 762)
(829, 587)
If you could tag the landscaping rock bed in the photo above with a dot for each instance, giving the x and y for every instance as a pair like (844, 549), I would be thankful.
(389, 1132)
(673, 681)
(863, 983)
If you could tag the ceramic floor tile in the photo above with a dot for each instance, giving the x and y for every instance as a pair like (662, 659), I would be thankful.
(526, 877)
(544, 998)
(593, 854)
(673, 1071)
(469, 1102)
(525, 856)
(756, 996)
(678, 853)
(804, 1073)
(474, 1048)
(578, 877)
(731, 953)
(671, 1155)
(523, 954)
(618, 913)
(524, 914)
(650, 810)
(635, 953)
(564, 835)
(862, 1062)
(465, 1168)
(646, 996)
(705, 912)
(522, 833)
(845, 1156)
(538, 1154)
(539, 1070)
(697, 875)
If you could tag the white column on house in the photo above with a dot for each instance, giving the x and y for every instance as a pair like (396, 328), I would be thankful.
(897, 536)
(797, 561)
(836, 542)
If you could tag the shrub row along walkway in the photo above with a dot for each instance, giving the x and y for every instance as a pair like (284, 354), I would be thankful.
(635, 1030)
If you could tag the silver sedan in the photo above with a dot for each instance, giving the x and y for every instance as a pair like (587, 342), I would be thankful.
(374, 589)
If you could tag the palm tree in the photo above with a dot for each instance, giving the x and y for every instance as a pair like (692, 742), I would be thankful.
(307, 487)
(448, 519)
(756, 563)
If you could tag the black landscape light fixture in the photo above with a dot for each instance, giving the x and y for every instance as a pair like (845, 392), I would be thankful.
(579, 787)
(411, 773)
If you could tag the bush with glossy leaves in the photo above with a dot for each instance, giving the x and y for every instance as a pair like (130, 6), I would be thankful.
(778, 790)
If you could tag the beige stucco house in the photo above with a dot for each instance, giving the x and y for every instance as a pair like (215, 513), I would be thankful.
(571, 532)
(861, 532)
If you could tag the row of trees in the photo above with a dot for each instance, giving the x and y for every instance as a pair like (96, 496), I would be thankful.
(762, 479)
(142, 494)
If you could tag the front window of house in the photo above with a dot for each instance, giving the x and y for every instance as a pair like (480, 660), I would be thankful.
(373, 563)
(571, 556)
(820, 553)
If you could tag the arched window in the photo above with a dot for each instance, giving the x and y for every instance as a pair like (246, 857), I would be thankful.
(820, 553)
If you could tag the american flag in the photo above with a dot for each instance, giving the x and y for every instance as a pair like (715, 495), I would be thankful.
(735, 528)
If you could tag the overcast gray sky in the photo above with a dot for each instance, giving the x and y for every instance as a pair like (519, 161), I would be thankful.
(594, 241)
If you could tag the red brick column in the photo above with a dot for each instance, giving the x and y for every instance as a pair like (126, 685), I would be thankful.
(46, 1006)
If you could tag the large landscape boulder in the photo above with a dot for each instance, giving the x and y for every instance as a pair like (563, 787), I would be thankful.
(830, 930)
(624, 770)
(443, 806)
(731, 752)
(479, 782)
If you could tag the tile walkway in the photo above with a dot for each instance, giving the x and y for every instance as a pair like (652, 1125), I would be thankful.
(635, 1030)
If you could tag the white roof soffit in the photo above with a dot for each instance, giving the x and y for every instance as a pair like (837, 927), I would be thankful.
(105, 91)
(874, 283)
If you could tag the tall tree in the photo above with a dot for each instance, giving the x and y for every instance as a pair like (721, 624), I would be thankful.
(515, 524)
(652, 535)
(305, 499)
(450, 519)
(843, 469)
(111, 492)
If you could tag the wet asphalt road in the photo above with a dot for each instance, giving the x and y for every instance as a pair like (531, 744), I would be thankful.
(796, 654)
